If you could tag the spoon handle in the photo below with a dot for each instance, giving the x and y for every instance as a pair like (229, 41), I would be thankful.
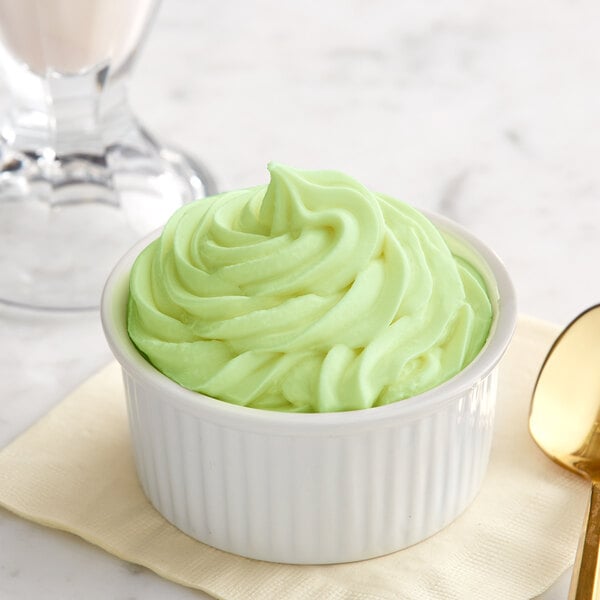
(585, 584)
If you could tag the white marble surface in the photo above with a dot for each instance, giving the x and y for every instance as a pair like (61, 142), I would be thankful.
(484, 111)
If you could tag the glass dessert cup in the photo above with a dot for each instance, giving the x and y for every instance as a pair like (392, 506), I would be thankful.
(312, 488)
(80, 180)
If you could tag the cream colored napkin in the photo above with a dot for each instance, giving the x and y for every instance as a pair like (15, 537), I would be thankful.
(74, 471)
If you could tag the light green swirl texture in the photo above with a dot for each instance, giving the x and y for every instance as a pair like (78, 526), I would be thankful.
(311, 294)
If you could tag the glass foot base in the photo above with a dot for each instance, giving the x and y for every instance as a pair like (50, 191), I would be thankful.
(65, 222)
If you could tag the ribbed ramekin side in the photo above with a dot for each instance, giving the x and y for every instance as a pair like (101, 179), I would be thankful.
(311, 498)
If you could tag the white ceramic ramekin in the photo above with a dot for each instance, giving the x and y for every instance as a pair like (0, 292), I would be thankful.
(311, 488)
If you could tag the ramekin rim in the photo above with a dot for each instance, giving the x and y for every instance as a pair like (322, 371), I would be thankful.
(245, 417)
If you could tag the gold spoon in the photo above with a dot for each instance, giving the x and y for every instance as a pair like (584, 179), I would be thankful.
(565, 423)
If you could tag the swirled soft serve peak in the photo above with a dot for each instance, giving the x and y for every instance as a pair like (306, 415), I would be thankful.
(309, 294)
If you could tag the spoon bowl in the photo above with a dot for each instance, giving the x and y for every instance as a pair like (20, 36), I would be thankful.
(565, 423)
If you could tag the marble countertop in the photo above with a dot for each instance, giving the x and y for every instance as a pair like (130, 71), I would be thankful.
(485, 112)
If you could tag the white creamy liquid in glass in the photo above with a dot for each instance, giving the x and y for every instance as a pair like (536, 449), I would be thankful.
(72, 36)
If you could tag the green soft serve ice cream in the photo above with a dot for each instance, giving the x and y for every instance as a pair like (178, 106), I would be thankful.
(310, 294)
